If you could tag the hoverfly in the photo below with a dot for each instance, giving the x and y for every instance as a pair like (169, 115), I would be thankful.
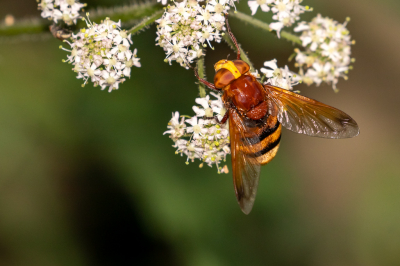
(256, 115)
(59, 32)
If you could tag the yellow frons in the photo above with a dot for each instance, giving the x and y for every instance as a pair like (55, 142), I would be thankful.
(229, 65)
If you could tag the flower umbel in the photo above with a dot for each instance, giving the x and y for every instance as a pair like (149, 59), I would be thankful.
(201, 137)
(102, 54)
(186, 27)
(66, 10)
(327, 45)
(286, 12)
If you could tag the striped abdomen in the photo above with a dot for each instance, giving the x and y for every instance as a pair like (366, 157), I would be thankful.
(266, 145)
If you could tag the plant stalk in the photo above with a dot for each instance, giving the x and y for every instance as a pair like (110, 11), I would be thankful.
(201, 71)
(264, 26)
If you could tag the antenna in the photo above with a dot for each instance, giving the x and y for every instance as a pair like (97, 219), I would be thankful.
(232, 37)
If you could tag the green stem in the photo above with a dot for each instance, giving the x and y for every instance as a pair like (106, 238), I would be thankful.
(264, 26)
(25, 26)
(147, 21)
(136, 11)
(243, 54)
(128, 13)
(201, 71)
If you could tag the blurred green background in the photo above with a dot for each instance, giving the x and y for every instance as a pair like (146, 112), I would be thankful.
(87, 178)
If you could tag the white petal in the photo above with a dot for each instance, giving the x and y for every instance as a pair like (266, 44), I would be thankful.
(271, 64)
(265, 8)
(253, 6)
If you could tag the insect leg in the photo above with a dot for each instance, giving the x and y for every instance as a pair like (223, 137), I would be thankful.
(223, 120)
(232, 37)
(205, 82)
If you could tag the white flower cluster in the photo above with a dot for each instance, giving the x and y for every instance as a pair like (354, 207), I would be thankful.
(185, 28)
(66, 10)
(280, 77)
(102, 53)
(286, 12)
(200, 138)
(327, 54)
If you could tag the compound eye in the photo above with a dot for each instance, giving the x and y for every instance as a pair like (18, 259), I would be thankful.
(242, 66)
(223, 78)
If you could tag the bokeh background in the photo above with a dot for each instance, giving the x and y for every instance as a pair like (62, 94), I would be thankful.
(87, 178)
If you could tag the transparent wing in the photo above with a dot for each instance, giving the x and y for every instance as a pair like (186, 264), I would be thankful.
(245, 165)
(307, 116)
